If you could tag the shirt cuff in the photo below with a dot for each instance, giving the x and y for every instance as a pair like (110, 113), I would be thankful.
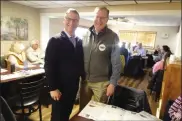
(113, 82)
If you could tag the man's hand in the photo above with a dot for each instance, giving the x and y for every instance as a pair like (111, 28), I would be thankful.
(56, 94)
(110, 90)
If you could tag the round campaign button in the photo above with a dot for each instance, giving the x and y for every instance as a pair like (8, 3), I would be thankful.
(102, 47)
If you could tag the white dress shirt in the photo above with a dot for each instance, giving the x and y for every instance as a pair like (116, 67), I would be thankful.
(140, 51)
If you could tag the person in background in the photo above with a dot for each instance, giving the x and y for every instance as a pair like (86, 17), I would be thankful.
(160, 64)
(135, 46)
(157, 50)
(64, 65)
(175, 111)
(128, 47)
(140, 50)
(165, 50)
(102, 60)
(34, 53)
(124, 51)
(16, 54)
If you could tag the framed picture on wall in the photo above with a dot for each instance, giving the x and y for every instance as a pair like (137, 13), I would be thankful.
(13, 28)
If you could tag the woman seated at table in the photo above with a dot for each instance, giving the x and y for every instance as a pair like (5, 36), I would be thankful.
(157, 50)
(160, 64)
(16, 54)
(165, 50)
(34, 53)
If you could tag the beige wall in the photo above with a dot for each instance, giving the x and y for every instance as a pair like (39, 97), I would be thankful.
(171, 30)
(56, 25)
(17, 10)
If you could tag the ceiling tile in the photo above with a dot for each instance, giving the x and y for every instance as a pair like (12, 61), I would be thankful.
(161, 1)
(95, 3)
(120, 2)
(48, 6)
(64, 2)
(44, 2)
(29, 3)
(74, 5)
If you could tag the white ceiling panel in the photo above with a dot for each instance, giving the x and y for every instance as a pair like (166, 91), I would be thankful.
(48, 6)
(43, 2)
(74, 5)
(53, 4)
(142, 1)
(95, 4)
(120, 2)
(64, 2)
(28, 3)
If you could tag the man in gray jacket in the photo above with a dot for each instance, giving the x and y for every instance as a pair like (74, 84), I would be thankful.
(102, 60)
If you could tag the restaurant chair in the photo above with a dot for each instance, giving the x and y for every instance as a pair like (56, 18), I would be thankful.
(130, 99)
(30, 90)
(166, 114)
(134, 67)
(6, 113)
(155, 84)
(3, 62)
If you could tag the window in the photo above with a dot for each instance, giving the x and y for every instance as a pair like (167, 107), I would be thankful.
(145, 37)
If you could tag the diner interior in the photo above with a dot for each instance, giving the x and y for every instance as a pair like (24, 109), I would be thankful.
(152, 25)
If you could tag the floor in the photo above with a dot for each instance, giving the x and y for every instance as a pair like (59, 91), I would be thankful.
(140, 83)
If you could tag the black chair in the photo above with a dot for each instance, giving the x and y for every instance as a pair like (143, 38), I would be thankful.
(30, 90)
(130, 99)
(155, 84)
(6, 113)
(134, 67)
(166, 114)
(150, 61)
(3, 63)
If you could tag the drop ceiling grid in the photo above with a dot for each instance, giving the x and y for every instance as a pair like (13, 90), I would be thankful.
(49, 4)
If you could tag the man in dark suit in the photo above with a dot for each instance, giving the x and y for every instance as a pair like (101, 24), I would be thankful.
(63, 67)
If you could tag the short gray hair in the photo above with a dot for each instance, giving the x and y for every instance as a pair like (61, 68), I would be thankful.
(102, 8)
(71, 10)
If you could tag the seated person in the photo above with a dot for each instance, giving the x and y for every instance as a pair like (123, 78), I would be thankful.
(124, 51)
(165, 50)
(175, 110)
(157, 50)
(160, 64)
(16, 54)
(140, 50)
(135, 46)
(129, 48)
(34, 54)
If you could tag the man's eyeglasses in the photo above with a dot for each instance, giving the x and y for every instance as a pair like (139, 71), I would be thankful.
(70, 19)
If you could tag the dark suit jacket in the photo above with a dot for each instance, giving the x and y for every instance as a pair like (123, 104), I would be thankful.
(64, 63)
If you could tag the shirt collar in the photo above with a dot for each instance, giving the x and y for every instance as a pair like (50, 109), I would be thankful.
(68, 34)
(92, 29)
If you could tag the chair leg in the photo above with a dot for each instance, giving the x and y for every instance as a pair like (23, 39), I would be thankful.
(40, 111)
(23, 112)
